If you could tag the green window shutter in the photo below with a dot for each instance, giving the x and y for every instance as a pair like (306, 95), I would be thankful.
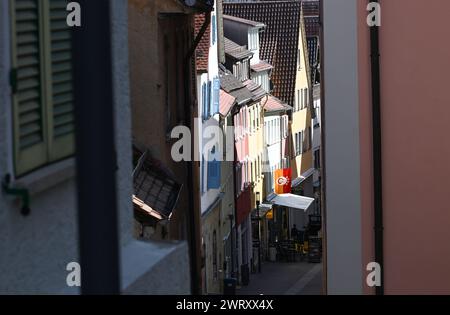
(42, 83)
(60, 90)
(29, 116)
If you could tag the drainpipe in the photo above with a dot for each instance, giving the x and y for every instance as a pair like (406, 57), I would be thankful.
(193, 216)
(377, 154)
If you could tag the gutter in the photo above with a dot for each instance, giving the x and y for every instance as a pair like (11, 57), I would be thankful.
(377, 151)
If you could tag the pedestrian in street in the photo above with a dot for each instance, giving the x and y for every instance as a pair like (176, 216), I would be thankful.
(294, 232)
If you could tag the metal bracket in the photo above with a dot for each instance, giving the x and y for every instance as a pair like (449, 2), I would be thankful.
(21, 193)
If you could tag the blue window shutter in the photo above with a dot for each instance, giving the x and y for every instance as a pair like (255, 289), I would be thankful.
(214, 174)
(214, 29)
(216, 96)
(209, 97)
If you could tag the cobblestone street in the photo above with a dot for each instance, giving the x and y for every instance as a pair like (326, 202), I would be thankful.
(281, 278)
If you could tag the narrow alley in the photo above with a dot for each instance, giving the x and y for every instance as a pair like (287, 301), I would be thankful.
(285, 278)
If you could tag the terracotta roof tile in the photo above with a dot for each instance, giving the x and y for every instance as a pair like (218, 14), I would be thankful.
(256, 89)
(202, 51)
(274, 104)
(261, 66)
(226, 102)
(236, 51)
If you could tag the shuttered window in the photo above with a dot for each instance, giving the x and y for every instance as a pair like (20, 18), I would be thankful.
(42, 83)
(213, 171)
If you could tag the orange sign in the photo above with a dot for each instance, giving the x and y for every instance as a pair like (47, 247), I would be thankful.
(283, 181)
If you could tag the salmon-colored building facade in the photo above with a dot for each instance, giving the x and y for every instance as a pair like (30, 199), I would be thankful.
(415, 122)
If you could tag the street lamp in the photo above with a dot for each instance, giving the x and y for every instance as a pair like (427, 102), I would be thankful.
(258, 202)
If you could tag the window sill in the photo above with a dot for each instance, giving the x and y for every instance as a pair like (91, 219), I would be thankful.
(47, 176)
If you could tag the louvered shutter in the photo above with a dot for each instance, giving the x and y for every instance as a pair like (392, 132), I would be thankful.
(60, 91)
(216, 96)
(42, 83)
(27, 77)
(213, 171)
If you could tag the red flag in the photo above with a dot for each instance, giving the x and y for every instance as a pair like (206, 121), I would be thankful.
(283, 181)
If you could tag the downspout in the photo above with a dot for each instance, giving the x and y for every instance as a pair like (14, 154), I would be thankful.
(377, 153)
(193, 217)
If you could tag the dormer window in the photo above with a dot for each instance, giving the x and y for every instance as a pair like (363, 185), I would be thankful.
(253, 39)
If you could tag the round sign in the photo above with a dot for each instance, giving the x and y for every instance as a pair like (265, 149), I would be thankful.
(282, 181)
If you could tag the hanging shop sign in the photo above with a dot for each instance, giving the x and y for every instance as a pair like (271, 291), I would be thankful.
(283, 181)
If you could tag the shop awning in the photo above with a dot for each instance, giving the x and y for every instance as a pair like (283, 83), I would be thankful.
(293, 201)
(263, 209)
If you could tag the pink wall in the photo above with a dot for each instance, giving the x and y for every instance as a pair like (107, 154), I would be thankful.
(241, 121)
(415, 63)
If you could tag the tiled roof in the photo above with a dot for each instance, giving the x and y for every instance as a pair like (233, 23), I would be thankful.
(226, 102)
(202, 51)
(312, 25)
(256, 89)
(313, 49)
(311, 7)
(243, 21)
(274, 104)
(279, 41)
(236, 51)
(235, 88)
(261, 66)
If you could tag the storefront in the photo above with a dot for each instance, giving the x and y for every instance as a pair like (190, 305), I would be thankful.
(287, 208)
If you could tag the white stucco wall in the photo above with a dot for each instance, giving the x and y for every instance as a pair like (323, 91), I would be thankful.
(211, 195)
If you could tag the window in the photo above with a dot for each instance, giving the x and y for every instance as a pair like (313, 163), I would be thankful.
(317, 159)
(43, 113)
(299, 60)
(299, 143)
(305, 97)
(253, 39)
(302, 99)
(214, 170)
